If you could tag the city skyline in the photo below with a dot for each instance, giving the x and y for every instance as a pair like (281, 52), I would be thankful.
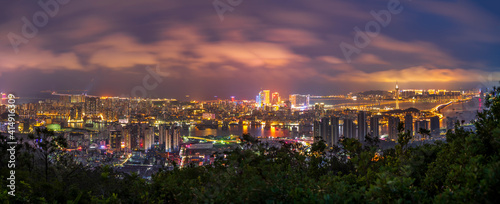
(204, 52)
(244, 101)
(274, 99)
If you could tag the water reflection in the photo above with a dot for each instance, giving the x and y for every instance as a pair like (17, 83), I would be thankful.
(258, 131)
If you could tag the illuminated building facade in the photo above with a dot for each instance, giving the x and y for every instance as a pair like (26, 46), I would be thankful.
(77, 98)
(267, 95)
(397, 96)
(169, 138)
(92, 106)
(276, 100)
(298, 100)
(115, 140)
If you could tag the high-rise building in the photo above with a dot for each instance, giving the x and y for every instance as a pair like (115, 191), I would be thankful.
(267, 95)
(77, 98)
(292, 99)
(435, 125)
(325, 130)
(349, 129)
(276, 98)
(397, 96)
(409, 124)
(450, 123)
(65, 99)
(421, 124)
(115, 139)
(92, 106)
(162, 135)
(317, 131)
(131, 133)
(374, 126)
(362, 127)
(169, 138)
(334, 131)
(149, 138)
(298, 100)
(393, 128)
(75, 112)
(264, 98)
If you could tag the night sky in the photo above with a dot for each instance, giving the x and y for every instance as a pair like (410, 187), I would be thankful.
(289, 46)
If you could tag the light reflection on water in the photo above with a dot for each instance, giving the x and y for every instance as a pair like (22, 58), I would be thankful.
(260, 131)
(252, 130)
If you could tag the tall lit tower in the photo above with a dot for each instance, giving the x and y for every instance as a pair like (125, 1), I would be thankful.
(267, 95)
(397, 96)
(275, 99)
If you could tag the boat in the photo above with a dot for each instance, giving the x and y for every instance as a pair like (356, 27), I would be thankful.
(89, 125)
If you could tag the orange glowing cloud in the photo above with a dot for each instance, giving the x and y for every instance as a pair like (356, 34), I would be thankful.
(417, 74)
(370, 59)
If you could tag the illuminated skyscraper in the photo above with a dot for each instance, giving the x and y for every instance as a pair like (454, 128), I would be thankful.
(397, 96)
(267, 96)
(173, 139)
(264, 98)
(298, 100)
(293, 99)
(275, 98)
(115, 139)
(149, 138)
(169, 138)
(92, 106)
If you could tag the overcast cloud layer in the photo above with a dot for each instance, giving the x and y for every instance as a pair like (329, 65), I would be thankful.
(287, 46)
